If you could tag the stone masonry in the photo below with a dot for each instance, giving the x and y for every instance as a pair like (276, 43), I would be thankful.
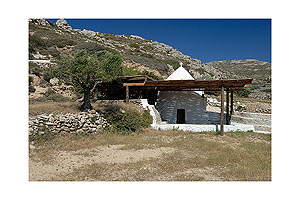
(83, 122)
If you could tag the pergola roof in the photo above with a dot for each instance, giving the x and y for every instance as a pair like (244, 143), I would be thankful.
(148, 83)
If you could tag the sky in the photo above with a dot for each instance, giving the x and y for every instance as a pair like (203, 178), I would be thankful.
(204, 39)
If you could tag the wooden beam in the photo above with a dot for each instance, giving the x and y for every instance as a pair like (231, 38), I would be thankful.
(127, 93)
(133, 84)
(222, 111)
(227, 106)
(231, 105)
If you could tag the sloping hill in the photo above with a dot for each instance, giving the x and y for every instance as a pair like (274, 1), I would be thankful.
(258, 70)
(48, 40)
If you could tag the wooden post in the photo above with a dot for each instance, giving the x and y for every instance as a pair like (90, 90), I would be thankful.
(127, 93)
(222, 111)
(227, 106)
(231, 105)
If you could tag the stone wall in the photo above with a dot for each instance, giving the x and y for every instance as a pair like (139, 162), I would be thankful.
(261, 122)
(83, 122)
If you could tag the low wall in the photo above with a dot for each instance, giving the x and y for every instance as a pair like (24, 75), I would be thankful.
(261, 122)
(83, 122)
(203, 128)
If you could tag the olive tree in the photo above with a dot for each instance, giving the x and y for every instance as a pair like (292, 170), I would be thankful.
(85, 71)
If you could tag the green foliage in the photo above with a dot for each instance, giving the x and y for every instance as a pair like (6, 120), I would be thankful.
(57, 98)
(130, 71)
(43, 52)
(146, 55)
(35, 69)
(151, 74)
(268, 90)
(61, 42)
(49, 73)
(30, 79)
(31, 89)
(146, 119)
(174, 63)
(243, 92)
(53, 52)
(134, 45)
(83, 71)
(49, 92)
(148, 48)
(92, 48)
(127, 121)
(256, 86)
(201, 70)
(35, 43)
(46, 137)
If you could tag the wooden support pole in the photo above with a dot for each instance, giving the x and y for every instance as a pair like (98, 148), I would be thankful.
(222, 111)
(227, 106)
(127, 93)
(231, 105)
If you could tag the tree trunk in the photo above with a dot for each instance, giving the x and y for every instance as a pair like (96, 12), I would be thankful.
(86, 101)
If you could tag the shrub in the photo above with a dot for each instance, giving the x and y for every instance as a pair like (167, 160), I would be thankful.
(148, 48)
(127, 121)
(46, 137)
(92, 48)
(30, 79)
(267, 90)
(35, 69)
(57, 98)
(243, 92)
(53, 52)
(201, 70)
(151, 75)
(146, 119)
(31, 89)
(131, 71)
(35, 42)
(62, 42)
(49, 92)
(134, 45)
(48, 74)
(44, 52)
(174, 63)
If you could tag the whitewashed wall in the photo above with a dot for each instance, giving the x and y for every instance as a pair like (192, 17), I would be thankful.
(194, 104)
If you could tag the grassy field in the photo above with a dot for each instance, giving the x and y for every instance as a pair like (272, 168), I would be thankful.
(152, 156)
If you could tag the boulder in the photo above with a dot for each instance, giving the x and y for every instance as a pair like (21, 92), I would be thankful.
(88, 33)
(63, 24)
(54, 81)
(35, 80)
(31, 147)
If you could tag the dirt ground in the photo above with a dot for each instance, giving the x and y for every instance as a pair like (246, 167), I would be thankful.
(152, 156)
(68, 161)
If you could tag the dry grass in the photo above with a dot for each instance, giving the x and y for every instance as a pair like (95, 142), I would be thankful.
(73, 107)
(195, 157)
(53, 107)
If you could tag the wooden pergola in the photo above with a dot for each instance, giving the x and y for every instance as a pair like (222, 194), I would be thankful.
(147, 83)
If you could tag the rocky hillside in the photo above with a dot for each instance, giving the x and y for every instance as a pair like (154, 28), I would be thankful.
(258, 70)
(48, 40)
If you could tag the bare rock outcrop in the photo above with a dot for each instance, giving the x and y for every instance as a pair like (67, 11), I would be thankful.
(62, 23)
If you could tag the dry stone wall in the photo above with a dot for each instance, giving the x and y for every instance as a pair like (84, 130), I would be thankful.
(83, 122)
